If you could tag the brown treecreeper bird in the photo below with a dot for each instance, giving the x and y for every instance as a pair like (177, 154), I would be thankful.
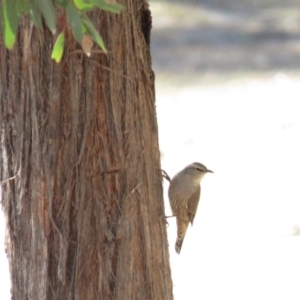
(184, 196)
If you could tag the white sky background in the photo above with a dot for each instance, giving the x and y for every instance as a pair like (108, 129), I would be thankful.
(245, 126)
(247, 130)
(242, 244)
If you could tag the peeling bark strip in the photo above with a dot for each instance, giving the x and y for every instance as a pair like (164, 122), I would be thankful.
(84, 214)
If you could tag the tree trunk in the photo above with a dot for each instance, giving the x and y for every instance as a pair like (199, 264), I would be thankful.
(84, 212)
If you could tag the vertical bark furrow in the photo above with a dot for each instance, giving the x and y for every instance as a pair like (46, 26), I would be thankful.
(84, 214)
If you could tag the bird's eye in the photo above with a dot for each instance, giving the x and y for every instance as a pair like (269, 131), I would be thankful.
(198, 169)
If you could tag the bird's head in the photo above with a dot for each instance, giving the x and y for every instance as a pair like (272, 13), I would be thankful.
(197, 171)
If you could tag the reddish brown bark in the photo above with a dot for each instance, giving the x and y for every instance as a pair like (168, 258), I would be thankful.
(84, 212)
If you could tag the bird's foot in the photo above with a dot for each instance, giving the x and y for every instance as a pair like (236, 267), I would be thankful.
(165, 175)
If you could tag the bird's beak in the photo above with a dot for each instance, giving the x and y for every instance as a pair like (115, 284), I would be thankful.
(209, 171)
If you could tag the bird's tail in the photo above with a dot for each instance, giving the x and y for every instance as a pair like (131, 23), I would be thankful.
(178, 245)
(181, 230)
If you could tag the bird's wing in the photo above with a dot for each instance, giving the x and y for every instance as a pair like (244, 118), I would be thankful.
(192, 204)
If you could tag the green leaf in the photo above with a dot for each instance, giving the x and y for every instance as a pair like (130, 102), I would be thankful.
(11, 16)
(58, 48)
(93, 32)
(108, 5)
(48, 11)
(24, 6)
(84, 5)
(62, 3)
(74, 21)
(34, 13)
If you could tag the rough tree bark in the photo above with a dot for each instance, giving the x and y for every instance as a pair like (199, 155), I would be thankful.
(84, 212)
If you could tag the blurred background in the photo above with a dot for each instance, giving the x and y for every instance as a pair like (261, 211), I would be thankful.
(227, 89)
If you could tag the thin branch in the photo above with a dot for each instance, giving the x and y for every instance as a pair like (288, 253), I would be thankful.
(133, 190)
(109, 69)
(9, 179)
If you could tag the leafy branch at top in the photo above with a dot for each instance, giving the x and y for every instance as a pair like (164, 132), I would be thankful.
(82, 28)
